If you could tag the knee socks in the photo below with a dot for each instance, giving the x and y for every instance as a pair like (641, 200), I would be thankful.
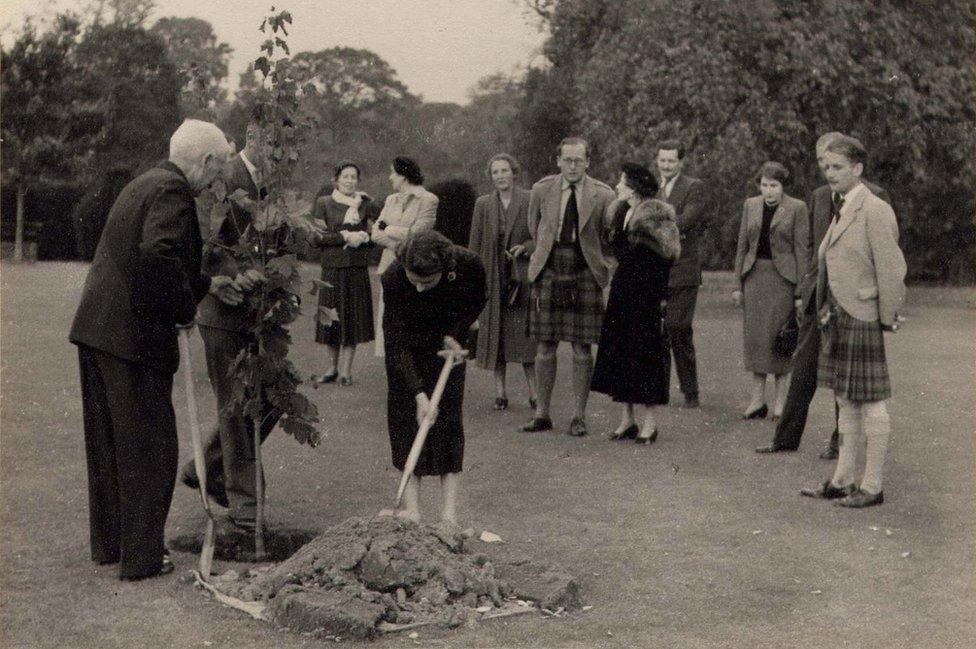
(849, 424)
(545, 376)
(877, 429)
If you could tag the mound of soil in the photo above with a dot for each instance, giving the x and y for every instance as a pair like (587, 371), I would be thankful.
(367, 575)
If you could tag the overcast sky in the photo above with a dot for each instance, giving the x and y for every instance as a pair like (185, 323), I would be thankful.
(439, 48)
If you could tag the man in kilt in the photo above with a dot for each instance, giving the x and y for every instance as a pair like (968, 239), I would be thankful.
(568, 272)
(860, 285)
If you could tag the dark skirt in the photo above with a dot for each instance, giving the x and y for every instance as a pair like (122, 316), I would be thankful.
(852, 358)
(767, 303)
(443, 451)
(350, 296)
(552, 321)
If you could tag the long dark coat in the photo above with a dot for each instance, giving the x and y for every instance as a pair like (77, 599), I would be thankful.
(415, 324)
(631, 363)
(494, 229)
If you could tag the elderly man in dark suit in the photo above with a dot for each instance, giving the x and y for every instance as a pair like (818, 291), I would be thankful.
(144, 282)
(568, 272)
(687, 196)
(803, 383)
(229, 451)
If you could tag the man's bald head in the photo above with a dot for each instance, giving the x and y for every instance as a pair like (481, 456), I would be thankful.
(199, 149)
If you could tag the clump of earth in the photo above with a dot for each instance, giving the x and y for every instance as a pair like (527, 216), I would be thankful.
(369, 575)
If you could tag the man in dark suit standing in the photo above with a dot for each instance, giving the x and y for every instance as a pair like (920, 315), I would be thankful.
(687, 196)
(144, 282)
(229, 451)
(803, 383)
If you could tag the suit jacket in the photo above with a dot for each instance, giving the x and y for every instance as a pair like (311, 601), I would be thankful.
(335, 254)
(217, 261)
(593, 198)
(819, 222)
(145, 277)
(860, 261)
(688, 200)
(403, 213)
(788, 234)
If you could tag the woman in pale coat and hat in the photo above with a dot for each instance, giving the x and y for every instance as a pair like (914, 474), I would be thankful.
(500, 237)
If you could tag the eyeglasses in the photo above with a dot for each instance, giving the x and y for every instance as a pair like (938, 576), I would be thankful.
(573, 162)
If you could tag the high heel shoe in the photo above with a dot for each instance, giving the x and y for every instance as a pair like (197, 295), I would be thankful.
(627, 433)
(650, 439)
(758, 413)
(501, 403)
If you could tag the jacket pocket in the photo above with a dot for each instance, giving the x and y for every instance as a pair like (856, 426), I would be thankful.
(867, 293)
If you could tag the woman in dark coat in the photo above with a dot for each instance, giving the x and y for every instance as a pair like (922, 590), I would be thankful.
(345, 249)
(433, 292)
(500, 237)
(632, 364)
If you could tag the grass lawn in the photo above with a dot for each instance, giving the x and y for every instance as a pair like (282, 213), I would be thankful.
(695, 541)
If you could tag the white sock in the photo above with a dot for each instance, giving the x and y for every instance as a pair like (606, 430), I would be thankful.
(877, 429)
(849, 425)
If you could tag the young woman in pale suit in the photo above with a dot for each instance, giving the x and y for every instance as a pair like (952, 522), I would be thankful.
(410, 208)
(772, 254)
(860, 285)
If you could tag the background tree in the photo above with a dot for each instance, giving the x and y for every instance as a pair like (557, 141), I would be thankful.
(49, 117)
(201, 61)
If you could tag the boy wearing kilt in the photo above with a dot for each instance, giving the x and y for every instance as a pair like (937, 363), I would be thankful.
(568, 272)
(860, 285)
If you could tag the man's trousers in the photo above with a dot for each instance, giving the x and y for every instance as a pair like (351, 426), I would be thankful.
(679, 337)
(132, 452)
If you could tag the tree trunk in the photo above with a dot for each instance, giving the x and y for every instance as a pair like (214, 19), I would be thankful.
(19, 232)
(259, 471)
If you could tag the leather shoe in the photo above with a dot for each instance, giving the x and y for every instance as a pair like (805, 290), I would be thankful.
(827, 491)
(214, 489)
(501, 403)
(758, 413)
(829, 453)
(166, 567)
(627, 433)
(691, 401)
(775, 448)
(861, 498)
(577, 428)
(537, 425)
(650, 439)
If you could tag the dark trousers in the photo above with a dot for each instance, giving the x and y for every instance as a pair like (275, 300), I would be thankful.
(803, 385)
(678, 337)
(229, 450)
(132, 452)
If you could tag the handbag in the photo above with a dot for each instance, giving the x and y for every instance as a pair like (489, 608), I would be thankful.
(784, 344)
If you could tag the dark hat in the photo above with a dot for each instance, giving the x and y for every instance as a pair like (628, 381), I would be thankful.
(640, 179)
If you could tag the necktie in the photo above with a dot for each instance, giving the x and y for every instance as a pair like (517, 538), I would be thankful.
(570, 218)
(836, 203)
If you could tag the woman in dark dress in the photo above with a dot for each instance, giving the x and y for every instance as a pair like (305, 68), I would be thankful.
(433, 293)
(631, 363)
(345, 247)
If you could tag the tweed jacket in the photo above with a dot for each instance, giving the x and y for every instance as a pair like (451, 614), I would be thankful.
(593, 198)
(145, 277)
(216, 261)
(688, 200)
(819, 222)
(403, 212)
(860, 261)
(788, 238)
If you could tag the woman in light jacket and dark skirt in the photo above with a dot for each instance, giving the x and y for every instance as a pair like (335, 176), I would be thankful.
(500, 237)
(434, 291)
(345, 246)
(631, 363)
(772, 254)
(860, 286)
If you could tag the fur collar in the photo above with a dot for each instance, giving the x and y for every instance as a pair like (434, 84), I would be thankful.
(653, 225)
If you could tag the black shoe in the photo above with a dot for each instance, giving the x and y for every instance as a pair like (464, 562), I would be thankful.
(165, 568)
(758, 413)
(650, 439)
(345, 381)
(828, 491)
(627, 433)
(577, 428)
(214, 489)
(829, 453)
(691, 401)
(501, 403)
(775, 448)
(860, 499)
(325, 378)
(533, 403)
(537, 425)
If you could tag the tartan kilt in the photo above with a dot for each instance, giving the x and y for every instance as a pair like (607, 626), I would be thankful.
(852, 359)
(551, 322)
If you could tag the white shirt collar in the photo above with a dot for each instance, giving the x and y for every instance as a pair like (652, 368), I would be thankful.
(853, 193)
(578, 183)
